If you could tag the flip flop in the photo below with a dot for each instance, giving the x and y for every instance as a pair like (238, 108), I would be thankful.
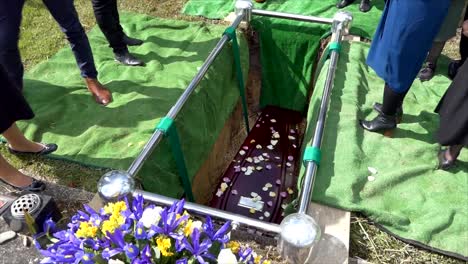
(48, 148)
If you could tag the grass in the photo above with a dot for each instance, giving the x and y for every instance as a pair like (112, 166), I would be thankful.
(41, 38)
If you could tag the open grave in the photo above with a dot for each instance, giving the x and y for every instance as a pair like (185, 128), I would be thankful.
(178, 127)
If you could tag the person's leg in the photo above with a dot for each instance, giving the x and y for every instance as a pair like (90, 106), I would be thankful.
(104, 11)
(107, 17)
(17, 141)
(365, 6)
(11, 175)
(344, 3)
(65, 14)
(429, 69)
(387, 118)
(10, 21)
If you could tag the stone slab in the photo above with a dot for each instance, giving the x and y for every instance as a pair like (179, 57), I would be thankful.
(333, 247)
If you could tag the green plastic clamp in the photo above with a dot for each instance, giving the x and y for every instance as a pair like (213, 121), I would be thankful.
(312, 154)
(165, 124)
(334, 46)
(231, 33)
(169, 130)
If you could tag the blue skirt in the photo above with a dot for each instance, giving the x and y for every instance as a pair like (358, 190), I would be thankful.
(403, 39)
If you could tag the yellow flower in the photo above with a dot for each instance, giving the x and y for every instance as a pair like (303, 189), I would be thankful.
(188, 228)
(266, 262)
(115, 208)
(86, 230)
(258, 259)
(109, 226)
(234, 246)
(164, 245)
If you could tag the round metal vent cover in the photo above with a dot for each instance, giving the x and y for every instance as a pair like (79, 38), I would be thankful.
(26, 203)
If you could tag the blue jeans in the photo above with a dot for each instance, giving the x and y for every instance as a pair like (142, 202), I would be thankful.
(65, 14)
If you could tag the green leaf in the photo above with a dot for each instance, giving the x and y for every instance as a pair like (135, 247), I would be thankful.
(32, 227)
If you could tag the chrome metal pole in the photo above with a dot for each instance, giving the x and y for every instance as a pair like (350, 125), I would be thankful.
(297, 17)
(311, 172)
(215, 213)
(158, 135)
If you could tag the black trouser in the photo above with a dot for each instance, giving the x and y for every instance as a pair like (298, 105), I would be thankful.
(66, 16)
(464, 42)
(107, 17)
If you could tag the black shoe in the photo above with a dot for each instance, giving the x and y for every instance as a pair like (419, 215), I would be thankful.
(132, 41)
(344, 3)
(444, 163)
(365, 6)
(35, 186)
(398, 114)
(128, 59)
(48, 148)
(382, 123)
(453, 68)
(427, 72)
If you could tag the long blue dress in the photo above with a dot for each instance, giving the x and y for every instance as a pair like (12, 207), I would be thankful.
(403, 39)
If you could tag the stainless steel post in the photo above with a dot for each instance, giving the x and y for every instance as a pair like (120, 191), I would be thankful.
(215, 213)
(311, 19)
(158, 135)
(308, 184)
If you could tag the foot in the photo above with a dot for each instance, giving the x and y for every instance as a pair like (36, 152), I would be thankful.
(33, 148)
(382, 123)
(344, 3)
(446, 161)
(453, 68)
(427, 72)
(132, 41)
(365, 6)
(448, 156)
(128, 59)
(399, 111)
(100, 93)
(21, 182)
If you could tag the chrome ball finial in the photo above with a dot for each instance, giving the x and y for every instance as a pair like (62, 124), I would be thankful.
(115, 185)
(299, 234)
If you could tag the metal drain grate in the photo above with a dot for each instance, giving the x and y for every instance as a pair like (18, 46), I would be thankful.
(26, 203)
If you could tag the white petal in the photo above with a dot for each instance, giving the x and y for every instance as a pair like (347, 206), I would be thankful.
(372, 171)
(226, 257)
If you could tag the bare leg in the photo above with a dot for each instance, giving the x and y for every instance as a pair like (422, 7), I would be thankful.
(12, 176)
(18, 142)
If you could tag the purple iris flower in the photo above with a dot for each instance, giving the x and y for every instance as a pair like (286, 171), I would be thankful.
(220, 235)
(49, 226)
(131, 251)
(140, 232)
(60, 256)
(137, 207)
(82, 257)
(177, 207)
(198, 250)
(91, 243)
(146, 252)
(182, 261)
(118, 239)
(141, 261)
(245, 254)
(168, 225)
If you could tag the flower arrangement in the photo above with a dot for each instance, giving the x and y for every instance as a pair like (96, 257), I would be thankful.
(136, 233)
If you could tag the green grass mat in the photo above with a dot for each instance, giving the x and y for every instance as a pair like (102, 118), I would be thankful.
(408, 197)
(289, 48)
(113, 136)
